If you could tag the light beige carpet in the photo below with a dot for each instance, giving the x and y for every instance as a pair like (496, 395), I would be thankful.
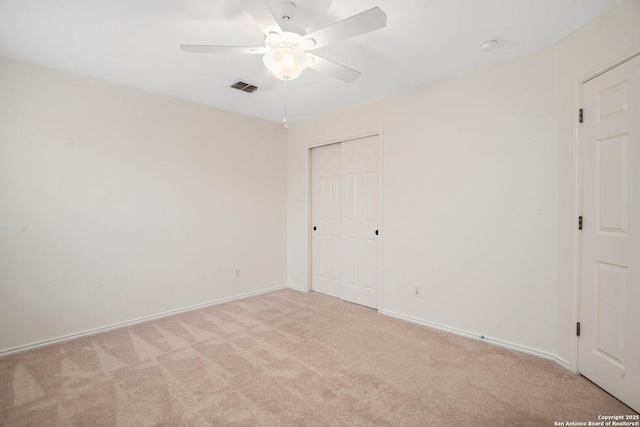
(289, 358)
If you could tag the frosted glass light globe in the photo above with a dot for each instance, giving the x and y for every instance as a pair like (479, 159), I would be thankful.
(286, 63)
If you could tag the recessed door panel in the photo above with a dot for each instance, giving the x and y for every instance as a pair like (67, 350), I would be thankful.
(611, 312)
(612, 186)
(352, 197)
(370, 254)
(370, 187)
(351, 261)
(334, 254)
(335, 198)
(322, 202)
(612, 101)
(321, 262)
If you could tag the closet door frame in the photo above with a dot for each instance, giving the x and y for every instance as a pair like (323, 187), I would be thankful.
(334, 140)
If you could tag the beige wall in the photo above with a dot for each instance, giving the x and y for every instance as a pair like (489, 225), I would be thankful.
(117, 204)
(478, 190)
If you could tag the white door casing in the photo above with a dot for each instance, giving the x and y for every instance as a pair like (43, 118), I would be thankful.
(360, 221)
(609, 343)
(325, 218)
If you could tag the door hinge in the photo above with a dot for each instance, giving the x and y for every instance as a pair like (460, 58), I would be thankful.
(578, 329)
(581, 116)
(579, 223)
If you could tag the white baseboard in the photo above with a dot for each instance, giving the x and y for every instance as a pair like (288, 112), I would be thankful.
(494, 341)
(138, 320)
(460, 332)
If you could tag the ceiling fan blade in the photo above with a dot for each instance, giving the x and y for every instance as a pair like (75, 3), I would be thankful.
(370, 20)
(204, 48)
(269, 82)
(260, 13)
(338, 71)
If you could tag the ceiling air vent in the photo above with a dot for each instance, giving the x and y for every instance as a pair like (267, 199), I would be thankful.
(245, 87)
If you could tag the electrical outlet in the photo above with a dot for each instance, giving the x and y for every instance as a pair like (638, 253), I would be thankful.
(236, 273)
(417, 291)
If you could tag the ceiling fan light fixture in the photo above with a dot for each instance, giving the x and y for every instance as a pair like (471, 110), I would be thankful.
(285, 51)
(286, 63)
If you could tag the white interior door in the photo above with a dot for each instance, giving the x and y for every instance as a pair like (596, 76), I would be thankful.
(360, 221)
(609, 343)
(325, 218)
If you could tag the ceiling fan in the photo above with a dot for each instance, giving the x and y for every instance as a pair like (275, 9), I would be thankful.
(286, 54)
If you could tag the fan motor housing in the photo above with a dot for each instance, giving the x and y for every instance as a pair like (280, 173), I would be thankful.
(287, 10)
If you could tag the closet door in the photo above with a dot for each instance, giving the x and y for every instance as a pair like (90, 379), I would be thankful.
(325, 218)
(360, 221)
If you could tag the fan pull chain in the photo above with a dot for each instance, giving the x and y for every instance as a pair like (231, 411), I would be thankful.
(284, 121)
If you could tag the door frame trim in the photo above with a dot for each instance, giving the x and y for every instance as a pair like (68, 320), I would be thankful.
(591, 74)
(336, 140)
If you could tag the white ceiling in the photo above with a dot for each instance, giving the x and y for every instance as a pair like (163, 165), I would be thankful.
(136, 43)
